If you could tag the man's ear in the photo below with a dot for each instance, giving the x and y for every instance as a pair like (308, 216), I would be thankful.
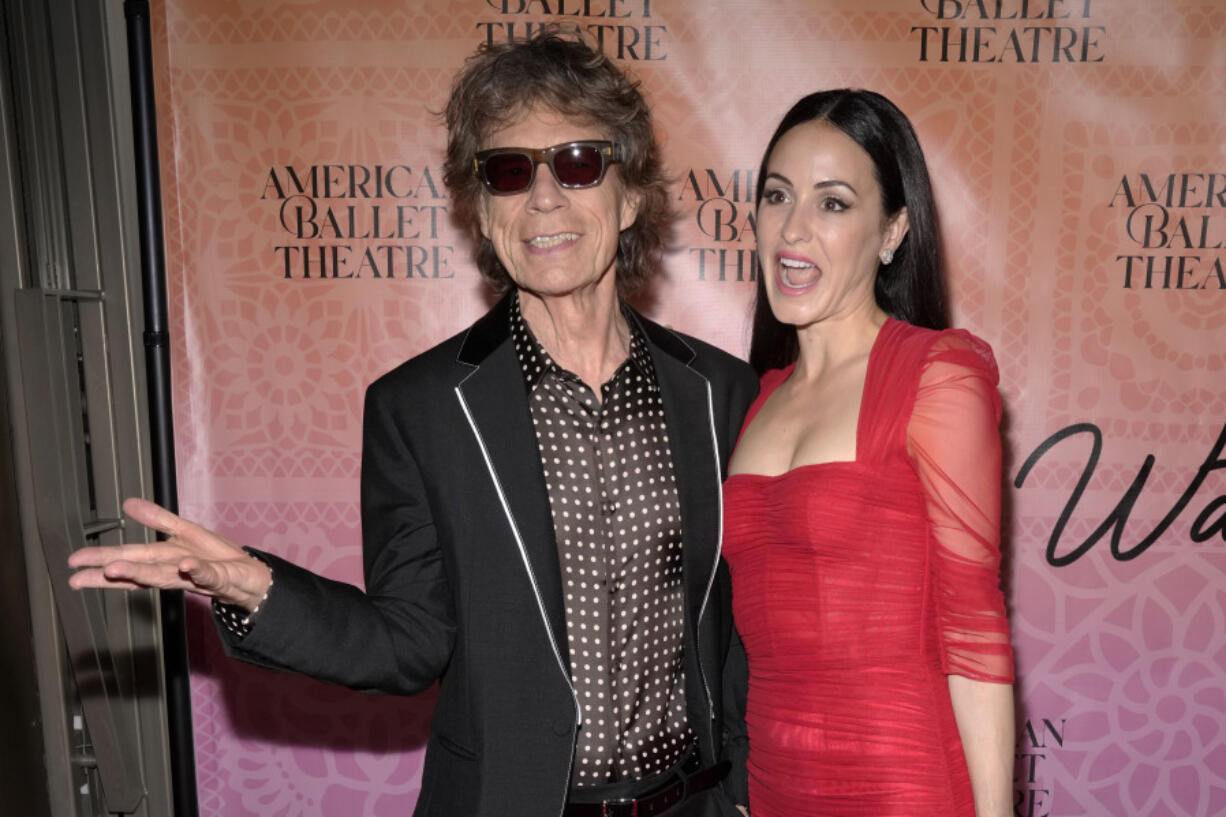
(483, 215)
(632, 200)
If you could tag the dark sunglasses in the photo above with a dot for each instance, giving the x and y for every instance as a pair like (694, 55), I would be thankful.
(574, 164)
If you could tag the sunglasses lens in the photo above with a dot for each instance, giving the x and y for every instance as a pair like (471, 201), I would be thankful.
(511, 170)
(508, 172)
(578, 166)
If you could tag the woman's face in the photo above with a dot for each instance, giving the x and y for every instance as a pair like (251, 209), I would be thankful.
(821, 226)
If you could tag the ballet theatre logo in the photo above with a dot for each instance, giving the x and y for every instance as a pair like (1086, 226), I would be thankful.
(1009, 31)
(1177, 225)
(722, 202)
(621, 29)
(1037, 741)
(345, 221)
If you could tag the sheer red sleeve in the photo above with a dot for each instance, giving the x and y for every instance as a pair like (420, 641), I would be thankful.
(954, 438)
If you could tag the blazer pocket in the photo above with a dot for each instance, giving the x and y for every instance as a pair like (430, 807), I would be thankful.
(454, 748)
(451, 782)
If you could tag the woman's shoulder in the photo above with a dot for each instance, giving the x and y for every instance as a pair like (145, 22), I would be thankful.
(923, 347)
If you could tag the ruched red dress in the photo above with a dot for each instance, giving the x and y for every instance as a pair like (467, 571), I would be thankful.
(859, 586)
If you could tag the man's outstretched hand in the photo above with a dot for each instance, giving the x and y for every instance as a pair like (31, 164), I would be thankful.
(193, 559)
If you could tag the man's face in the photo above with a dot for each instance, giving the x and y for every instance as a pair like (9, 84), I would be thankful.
(552, 240)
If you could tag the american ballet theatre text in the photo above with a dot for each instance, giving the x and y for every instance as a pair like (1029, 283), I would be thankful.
(1177, 224)
(1009, 31)
(723, 205)
(1037, 741)
(355, 221)
(620, 29)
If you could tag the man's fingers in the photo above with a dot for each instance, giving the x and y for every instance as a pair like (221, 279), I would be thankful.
(162, 576)
(187, 574)
(92, 577)
(191, 537)
(152, 515)
(202, 575)
(102, 556)
(128, 575)
(193, 559)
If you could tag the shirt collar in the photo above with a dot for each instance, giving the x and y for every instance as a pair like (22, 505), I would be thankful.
(536, 362)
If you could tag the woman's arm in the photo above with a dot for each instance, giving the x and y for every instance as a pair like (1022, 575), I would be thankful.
(984, 713)
(954, 440)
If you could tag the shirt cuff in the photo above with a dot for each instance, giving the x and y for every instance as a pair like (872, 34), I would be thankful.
(234, 617)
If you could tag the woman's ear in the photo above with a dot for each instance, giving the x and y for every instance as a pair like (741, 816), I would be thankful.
(895, 230)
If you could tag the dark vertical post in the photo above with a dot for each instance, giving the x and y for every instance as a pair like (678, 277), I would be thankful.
(157, 364)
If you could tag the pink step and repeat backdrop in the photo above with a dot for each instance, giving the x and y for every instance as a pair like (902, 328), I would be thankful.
(1077, 148)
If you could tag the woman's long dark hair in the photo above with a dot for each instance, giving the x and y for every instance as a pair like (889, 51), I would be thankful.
(912, 287)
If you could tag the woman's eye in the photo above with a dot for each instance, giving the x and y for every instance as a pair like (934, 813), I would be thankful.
(774, 196)
(833, 205)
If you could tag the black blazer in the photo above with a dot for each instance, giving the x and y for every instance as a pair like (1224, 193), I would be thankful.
(462, 578)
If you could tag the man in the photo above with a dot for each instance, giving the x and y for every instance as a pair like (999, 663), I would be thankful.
(543, 538)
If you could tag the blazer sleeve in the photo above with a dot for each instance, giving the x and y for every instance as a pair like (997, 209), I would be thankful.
(395, 637)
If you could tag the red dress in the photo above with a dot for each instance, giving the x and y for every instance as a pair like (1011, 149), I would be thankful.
(859, 586)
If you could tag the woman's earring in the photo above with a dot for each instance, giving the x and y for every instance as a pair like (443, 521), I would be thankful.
(887, 255)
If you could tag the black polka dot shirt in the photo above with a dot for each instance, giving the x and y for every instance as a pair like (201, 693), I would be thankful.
(617, 521)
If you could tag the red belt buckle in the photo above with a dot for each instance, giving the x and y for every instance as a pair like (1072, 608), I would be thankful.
(625, 801)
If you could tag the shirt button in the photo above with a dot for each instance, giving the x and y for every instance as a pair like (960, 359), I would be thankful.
(608, 507)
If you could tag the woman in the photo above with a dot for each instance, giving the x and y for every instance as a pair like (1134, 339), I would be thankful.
(863, 502)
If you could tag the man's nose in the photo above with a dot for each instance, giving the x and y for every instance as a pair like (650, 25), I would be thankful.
(545, 192)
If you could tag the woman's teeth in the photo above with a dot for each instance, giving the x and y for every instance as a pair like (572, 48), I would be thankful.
(797, 273)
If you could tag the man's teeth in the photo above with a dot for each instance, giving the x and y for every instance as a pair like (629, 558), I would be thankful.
(543, 242)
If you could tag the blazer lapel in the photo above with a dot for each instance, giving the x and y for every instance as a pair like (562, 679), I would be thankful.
(494, 400)
(687, 414)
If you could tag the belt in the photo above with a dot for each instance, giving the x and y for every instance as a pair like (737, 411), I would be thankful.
(655, 802)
